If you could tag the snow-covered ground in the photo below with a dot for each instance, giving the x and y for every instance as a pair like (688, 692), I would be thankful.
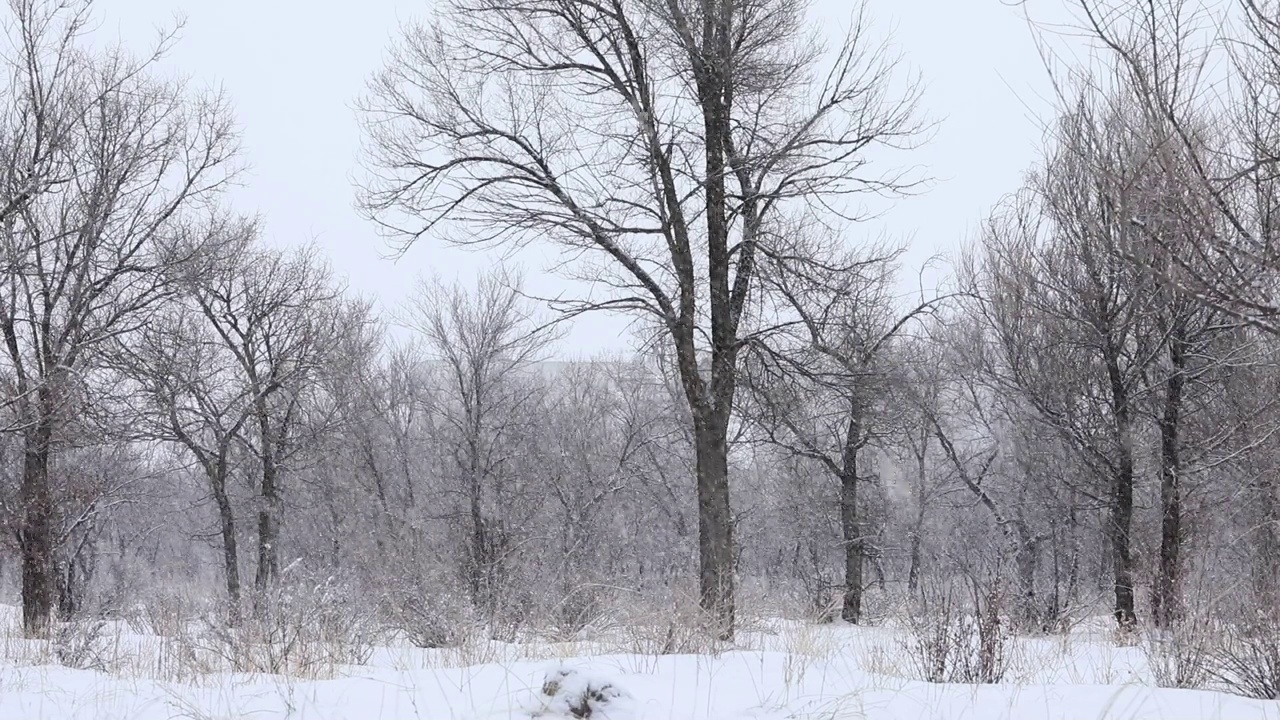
(785, 671)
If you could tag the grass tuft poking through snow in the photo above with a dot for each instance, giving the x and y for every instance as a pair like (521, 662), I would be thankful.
(638, 667)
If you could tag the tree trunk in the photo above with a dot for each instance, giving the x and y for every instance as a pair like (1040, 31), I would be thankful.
(1120, 522)
(74, 576)
(913, 572)
(38, 570)
(1073, 561)
(479, 549)
(1120, 527)
(1025, 558)
(712, 410)
(917, 534)
(715, 526)
(230, 552)
(269, 496)
(70, 592)
(268, 531)
(850, 528)
(917, 540)
(1165, 598)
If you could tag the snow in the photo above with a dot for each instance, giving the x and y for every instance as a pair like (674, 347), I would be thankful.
(788, 672)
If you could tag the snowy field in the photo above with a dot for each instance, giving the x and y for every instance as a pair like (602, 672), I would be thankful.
(779, 670)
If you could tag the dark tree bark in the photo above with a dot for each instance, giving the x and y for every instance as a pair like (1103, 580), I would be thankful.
(850, 527)
(715, 525)
(1120, 520)
(1026, 559)
(920, 451)
(1165, 603)
(851, 607)
(39, 580)
(913, 569)
(227, 527)
(269, 496)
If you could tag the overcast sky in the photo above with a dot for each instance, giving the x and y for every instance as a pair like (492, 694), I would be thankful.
(294, 67)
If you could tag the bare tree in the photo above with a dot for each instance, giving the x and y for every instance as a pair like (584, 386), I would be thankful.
(1218, 149)
(135, 162)
(486, 342)
(657, 145)
(953, 398)
(824, 393)
(280, 317)
(1071, 323)
(1200, 341)
(230, 370)
(921, 386)
(191, 397)
(593, 449)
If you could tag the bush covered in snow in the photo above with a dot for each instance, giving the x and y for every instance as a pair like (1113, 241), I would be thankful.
(572, 693)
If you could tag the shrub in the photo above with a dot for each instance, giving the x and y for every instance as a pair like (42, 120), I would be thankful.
(951, 641)
(569, 693)
(674, 626)
(1245, 658)
(428, 619)
(300, 630)
(1180, 656)
(580, 609)
(82, 644)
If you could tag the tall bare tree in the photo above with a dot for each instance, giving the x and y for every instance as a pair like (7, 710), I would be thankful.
(230, 371)
(657, 145)
(280, 318)
(186, 382)
(1071, 322)
(952, 397)
(113, 172)
(486, 342)
(823, 392)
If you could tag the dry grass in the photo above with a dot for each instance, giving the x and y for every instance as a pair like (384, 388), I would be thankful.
(948, 642)
(317, 635)
(1180, 656)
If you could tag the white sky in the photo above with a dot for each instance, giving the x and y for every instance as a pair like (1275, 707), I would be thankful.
(293, 69)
